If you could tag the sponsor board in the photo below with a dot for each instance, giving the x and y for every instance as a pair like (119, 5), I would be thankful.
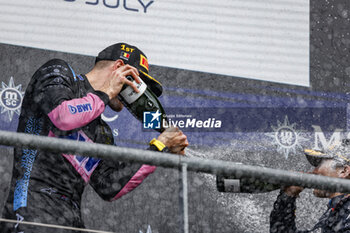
(248, 39)
(288, 137)
(11, 97)
(142, 5)
(79, 108)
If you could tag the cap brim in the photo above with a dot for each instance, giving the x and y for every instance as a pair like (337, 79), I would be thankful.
(152, 83)
(315, 157)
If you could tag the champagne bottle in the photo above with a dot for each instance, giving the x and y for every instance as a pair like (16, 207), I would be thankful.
(243, 185)
(144, 101)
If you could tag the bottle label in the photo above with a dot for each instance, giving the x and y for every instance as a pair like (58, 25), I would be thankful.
(129, 95)
(232, 185)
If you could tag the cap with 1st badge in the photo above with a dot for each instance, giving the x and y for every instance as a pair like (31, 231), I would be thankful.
(133, 56)
(339, 152)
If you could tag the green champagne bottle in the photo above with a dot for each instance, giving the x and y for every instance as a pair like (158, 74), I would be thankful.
(243, 185)
(140, 103)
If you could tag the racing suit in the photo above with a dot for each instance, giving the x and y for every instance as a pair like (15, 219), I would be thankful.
(335, 219)
(47, 187)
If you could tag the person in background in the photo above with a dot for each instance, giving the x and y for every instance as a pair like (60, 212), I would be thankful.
(335, 162)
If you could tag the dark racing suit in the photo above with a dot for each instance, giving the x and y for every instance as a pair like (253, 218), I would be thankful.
(47, 187)
(335, 219)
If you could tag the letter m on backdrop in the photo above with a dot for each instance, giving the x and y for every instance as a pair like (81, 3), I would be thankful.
(320, 139)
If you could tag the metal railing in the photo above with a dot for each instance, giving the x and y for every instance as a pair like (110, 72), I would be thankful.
(183, 163)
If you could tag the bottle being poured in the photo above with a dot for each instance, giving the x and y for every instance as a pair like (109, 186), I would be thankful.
(244, 185)
(142, 102)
